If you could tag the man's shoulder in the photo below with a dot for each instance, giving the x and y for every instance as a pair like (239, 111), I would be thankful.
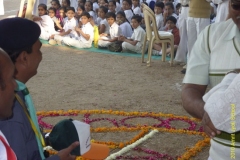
(220, 27)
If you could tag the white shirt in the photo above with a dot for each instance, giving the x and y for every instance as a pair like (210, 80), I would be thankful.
(136, 10)
(209, 62)
(74, 4)
(93, 15)
(138, 35)
(70, 24)
(159, 21)
(104, 22)
(87, 29)
(95, 6)
(128, 14)
(114, 30)
(184, 2)
(1, 7)
(118, 7)
(126, 29)
(48, 24)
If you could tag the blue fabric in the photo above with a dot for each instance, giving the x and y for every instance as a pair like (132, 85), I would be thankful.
(32, 112)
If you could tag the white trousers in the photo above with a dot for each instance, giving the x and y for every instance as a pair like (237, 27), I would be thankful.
(194, 27)
(183, 45)
(103, 43)
(222, 11)
(127, 46)
(1, 7)
(75, 43)
(44, 34)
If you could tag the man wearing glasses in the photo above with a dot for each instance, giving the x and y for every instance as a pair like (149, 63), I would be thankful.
(216, 52)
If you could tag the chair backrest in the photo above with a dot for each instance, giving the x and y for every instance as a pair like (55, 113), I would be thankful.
(150, 22)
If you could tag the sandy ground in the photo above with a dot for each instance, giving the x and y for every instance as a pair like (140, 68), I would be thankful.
(73, 79)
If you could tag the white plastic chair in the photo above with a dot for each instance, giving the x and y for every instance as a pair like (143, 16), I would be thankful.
(155, 36)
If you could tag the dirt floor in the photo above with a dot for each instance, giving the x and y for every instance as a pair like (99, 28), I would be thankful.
(74, 79)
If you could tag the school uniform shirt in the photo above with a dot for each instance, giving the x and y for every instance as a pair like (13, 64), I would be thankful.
(126, 29)
(93, 15)
(136, 10)
(159, 21)
(6, 152)
(70, 24)
(87, 29)
(114, 30)
(95, 6)
(118, 7)
(104, 22)
(20, 135)
(128, 14)
(48, 24)
(138, 35)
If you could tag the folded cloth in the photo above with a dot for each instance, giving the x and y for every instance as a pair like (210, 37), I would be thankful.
(222, 103)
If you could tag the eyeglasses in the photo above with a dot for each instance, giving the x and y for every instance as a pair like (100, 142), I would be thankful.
(235, 6)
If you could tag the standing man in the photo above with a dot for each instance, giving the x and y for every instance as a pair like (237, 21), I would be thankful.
(215, 53)
(182, 23)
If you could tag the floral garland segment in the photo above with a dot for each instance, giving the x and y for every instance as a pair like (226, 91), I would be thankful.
(121, 125)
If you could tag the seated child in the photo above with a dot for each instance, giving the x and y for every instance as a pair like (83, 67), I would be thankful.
(112, 6)
(135, 43)
(78, 14)
(158, 10)
(102, 23)
(45, 22)
(52, 13)
(222, 106)
(62, 15)
(170, 27)
(114, 31)
(56, 4)
(127, 8)
(89, 8)
(68, 28)
(85, 34)
(95, 5)
(168, 11)
(135, 7)
(126, 28)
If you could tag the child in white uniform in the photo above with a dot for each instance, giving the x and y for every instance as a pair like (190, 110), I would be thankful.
(52, 14)
(158, 10)
(134, 44)
(45, 23)
(69, 26)
(89, 8)
(114, 31)
(103, 25)
(124, 24)
(127, 8)
(85, 34)
(135, 7)
(112, 6)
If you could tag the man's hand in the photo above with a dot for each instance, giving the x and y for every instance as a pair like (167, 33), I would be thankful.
(208, 126)
(64, 154)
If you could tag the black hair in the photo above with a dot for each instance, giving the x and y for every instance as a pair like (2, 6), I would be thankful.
(129, 2)
(86, 14)
(170, 4)
(122, 13)
(68, 2)
(52, 9)
(44, 6)
(114, 2)
(105, 9)
(117, 1)
(63, 8)
(159, 4)
(171, 18)
(111, 14)
(106, 1)
(90, 4)
(13, 54)
(82, 7)
(57, 1)
(84, 1)
(178, 5)
(137, 18)
(70, 9)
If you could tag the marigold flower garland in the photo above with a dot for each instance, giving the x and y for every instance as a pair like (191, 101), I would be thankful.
(121, 125)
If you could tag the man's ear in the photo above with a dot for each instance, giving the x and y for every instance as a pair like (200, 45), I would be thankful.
(23, 59)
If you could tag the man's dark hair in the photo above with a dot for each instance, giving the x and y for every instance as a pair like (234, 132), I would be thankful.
(170, 4)
(13, 54)
(137, 18)
(178, 5)
(111, 15)
(159, 4)
(86, 14)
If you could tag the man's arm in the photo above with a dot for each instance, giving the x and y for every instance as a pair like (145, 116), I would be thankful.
(192, 99)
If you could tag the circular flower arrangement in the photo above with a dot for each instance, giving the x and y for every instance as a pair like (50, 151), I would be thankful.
(145, 131)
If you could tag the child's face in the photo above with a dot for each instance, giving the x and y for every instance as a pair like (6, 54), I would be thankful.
(51, 13)
(62, 13)
(88, 6)
(101, 14)
(80, 3)
(84, 20)
(110, 20)
(125, 5)
(70, 14)
(54, 5)
(101, 3)
(134, 23)
(170, 24)
(41, 11)
(120, 18)
(157, 10)
(168, 10)
(64, 3)
(111, 7)
(135, 3)
(79, 11)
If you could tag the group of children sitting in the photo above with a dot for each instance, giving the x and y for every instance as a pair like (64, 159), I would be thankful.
(115, 21)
